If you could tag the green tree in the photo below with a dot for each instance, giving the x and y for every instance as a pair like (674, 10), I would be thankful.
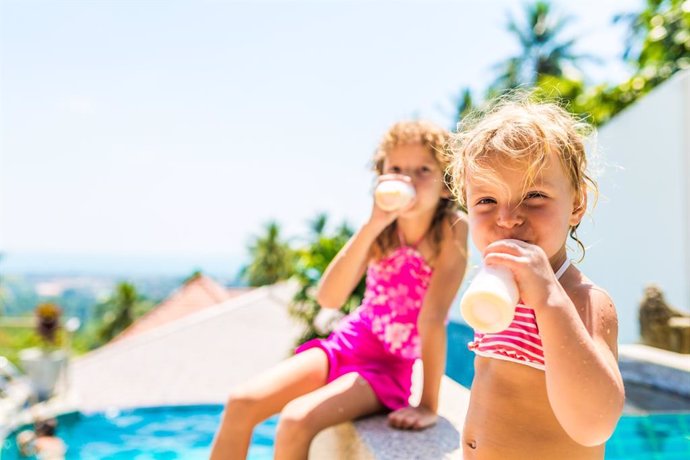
(272, 259)
(2, 289)
(312, 260)
(464, 104)
(119, 311)
(543, 51)
(658, 45)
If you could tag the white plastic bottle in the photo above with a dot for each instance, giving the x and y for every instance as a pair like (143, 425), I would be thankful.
(489, 303)
(393, 194)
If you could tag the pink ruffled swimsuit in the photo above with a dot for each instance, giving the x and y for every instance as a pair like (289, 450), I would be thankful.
(379, 340)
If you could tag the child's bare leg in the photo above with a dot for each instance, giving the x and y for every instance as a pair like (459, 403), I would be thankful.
(263, 396)
(346, 398)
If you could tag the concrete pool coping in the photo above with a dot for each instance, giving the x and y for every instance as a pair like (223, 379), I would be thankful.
(655, 355)
(655, 368)
(372, 438)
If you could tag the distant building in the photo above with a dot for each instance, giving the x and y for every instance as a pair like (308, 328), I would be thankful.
(196, 294)
(195, 359)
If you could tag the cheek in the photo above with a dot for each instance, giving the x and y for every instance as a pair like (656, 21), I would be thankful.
(479, 229)
(430, 190)
(552, 224)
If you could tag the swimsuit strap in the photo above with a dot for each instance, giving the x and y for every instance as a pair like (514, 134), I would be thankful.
(563, 268)
(402, 239)
(400, 235)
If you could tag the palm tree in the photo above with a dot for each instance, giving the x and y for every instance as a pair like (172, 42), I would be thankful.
(464, 104)
(272, 259)
(312, 260)
(119, 311)
(542, 51)
(318, 224)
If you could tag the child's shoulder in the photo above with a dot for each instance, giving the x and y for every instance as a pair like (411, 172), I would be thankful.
(452, 250)
(455, 226)
(584, 291)
(594, 305)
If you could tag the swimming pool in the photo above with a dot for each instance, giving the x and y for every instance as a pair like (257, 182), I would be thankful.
(162, 433)
(186, 432)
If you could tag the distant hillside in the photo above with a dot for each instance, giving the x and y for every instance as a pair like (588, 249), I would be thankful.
(222, 265)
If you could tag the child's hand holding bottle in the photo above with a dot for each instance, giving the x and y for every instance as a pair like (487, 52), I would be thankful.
(393, 194)
(534, 275)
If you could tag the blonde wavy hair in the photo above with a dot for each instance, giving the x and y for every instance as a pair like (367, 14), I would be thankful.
(519, 130)
(437, 141)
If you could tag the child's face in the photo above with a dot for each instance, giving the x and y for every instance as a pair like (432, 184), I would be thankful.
(540, 214)
(417, 162)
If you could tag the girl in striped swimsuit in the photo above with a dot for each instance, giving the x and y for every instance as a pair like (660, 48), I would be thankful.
(548, 387)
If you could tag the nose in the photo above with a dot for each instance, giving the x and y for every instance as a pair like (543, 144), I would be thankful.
(509, 216)
(410, 174)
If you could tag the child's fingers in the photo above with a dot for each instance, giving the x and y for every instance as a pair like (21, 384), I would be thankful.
(401, 419)
(407, 422)
(514, 247)
(511, 261)
(395, 419)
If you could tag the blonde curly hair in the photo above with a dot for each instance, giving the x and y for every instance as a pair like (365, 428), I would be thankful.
(517, 129)
(436, 140)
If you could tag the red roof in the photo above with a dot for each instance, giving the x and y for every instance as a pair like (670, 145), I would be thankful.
(194, 295)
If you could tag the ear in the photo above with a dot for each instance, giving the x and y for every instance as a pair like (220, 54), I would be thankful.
(579, 207)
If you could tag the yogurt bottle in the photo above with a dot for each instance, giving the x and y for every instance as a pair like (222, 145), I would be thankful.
(489, 303)
(393, 194)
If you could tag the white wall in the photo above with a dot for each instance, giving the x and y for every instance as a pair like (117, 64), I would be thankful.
(639, 232)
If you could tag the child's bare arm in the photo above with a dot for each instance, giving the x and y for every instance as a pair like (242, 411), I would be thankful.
(583, 382)
(578, 329)
(445, 282)
(449, 270)
(346, 269)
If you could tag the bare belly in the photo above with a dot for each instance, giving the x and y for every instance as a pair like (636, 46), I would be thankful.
(510, 417)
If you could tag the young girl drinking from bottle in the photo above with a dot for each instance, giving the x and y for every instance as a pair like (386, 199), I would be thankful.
(548, 386)
(414, 258)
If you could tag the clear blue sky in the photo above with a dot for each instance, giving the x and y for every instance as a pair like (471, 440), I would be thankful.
(181, 127)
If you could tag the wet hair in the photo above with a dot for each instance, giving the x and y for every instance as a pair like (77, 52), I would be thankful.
(46, 427)
(518, 130)
(436, 140)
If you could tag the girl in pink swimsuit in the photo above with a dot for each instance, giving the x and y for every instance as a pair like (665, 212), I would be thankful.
(548, 386)
(414, 259)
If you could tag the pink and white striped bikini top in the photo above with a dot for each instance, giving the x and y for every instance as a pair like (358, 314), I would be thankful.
(521, 342)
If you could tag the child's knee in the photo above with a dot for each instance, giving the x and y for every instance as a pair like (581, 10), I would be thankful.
(298, 420)
(240, 405)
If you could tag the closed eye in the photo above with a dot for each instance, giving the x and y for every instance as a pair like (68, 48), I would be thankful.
(532, 195)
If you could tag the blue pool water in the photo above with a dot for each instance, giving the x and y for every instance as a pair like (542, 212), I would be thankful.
(162, 433)
(186, 432)
(460, 362)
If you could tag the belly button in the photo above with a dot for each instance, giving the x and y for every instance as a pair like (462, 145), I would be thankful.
(472, 444)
